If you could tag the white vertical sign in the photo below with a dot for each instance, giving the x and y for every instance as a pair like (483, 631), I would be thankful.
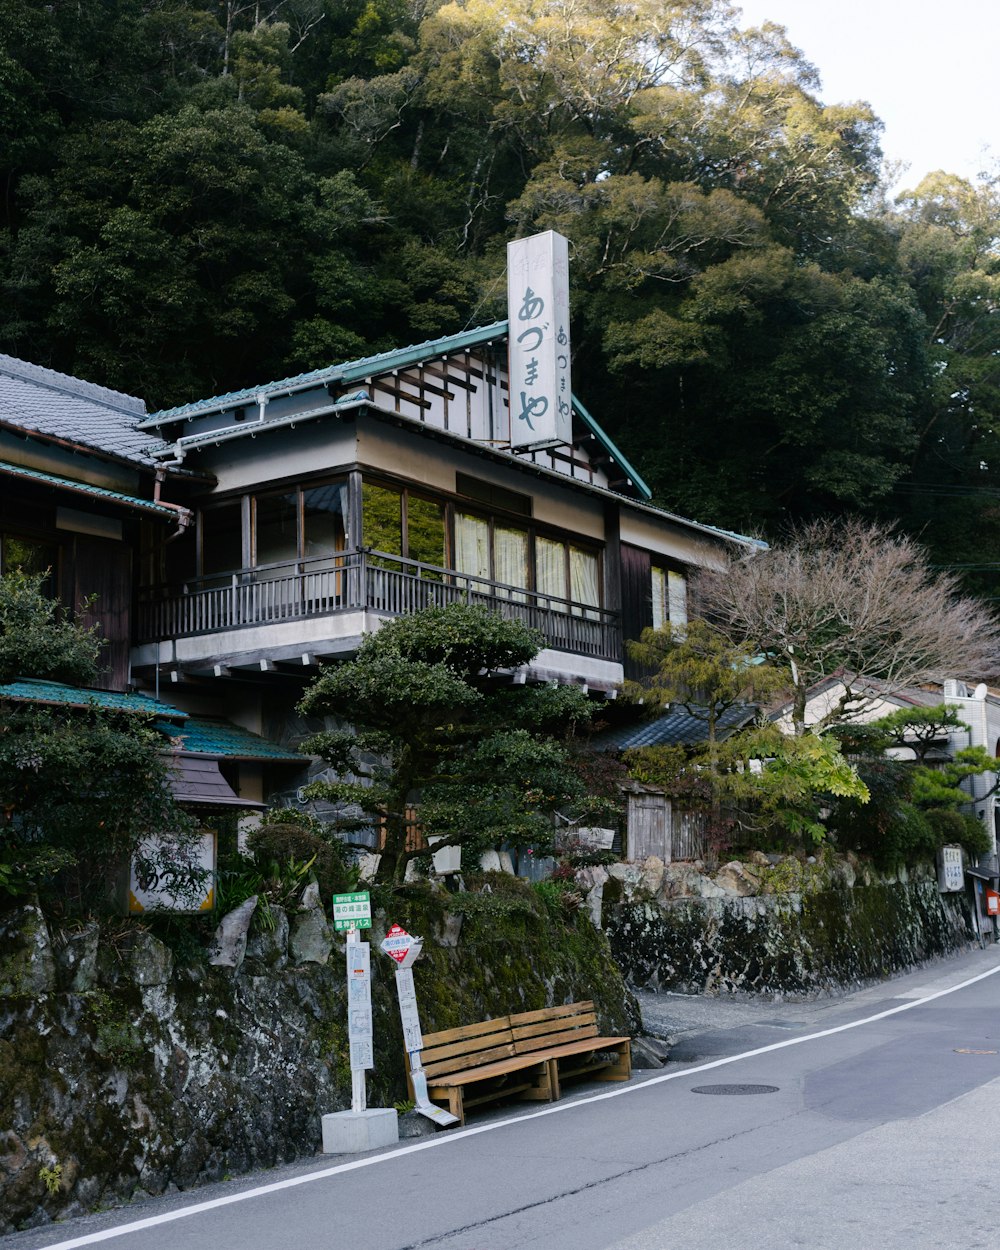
(408, 1013)
(541, 395)
(359, 1006)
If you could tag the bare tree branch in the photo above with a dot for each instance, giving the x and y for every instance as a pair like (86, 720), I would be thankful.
(852, 599)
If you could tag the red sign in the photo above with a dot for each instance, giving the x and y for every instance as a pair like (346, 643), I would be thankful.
(992, 903)
(396, 943)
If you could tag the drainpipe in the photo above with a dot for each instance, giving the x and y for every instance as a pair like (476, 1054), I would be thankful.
(184, 515)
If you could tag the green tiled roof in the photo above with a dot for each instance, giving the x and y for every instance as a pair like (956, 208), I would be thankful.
(30, 690)
(86, 488)
(342, 374)
(223, 740)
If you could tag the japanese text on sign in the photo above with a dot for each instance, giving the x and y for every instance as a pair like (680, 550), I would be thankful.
(352, 911)
(541, 394)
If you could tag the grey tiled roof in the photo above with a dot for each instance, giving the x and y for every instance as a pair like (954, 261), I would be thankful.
(51, 403)
(674, 728)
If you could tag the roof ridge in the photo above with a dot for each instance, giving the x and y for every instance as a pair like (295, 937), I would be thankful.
(39, 375)
(327, 372)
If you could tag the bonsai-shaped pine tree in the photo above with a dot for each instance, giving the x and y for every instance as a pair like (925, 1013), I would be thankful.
(442, 741)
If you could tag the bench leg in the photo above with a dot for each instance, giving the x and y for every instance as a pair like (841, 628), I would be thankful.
(621, 1069)
(453, 1093)
(553, 1067)
(544, 1084)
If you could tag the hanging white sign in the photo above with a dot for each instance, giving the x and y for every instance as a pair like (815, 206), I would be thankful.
(541, 394)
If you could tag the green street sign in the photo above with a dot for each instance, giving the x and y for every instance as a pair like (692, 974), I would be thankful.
(352, 911)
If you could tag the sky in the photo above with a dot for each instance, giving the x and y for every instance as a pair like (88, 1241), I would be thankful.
(928, 68)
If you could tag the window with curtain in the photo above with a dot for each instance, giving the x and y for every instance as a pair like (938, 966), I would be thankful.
(584, 586)
(510, 563)
(550, 567)
(472, 547)
(669, 598)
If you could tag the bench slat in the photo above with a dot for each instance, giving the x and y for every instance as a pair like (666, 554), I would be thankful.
(445, 1036)
(436, 1065)
(582, 1025)
(551, 1013)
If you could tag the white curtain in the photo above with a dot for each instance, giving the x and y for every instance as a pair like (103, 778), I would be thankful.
(472, 547)
(661, 600)
(677, 599)
(550, 567)
(584, 586)
(510, 552)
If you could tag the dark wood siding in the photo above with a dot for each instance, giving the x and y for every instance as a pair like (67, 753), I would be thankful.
(102, 570)
(637, 604)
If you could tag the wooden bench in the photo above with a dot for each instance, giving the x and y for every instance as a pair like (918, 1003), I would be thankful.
(525, 1056)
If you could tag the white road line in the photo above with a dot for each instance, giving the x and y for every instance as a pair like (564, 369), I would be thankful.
(446, 1139)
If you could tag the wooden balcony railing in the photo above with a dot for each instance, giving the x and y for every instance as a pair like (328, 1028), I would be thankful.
(388, 584)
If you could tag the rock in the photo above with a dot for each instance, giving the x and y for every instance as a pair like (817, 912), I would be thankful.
(595, 904)
(451, 929)
(149, 961)
(630, 876)
(681, 881)
(76, 957)
(737, 879)
(591, 875)
(496, 861)
(649, 1052)
(267, 940)
(230, 943)
(652, 874)
(413, 1124)
(311, 940)
(310, 897)
(27, 963)
(368, 866)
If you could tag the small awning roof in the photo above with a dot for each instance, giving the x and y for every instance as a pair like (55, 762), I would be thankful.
(195, 781)
(220, 739)
(113, 497)
(56, 694)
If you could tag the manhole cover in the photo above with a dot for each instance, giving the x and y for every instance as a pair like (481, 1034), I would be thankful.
(734, 1089)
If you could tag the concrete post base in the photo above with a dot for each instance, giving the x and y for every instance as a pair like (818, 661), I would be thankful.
(351, 1132)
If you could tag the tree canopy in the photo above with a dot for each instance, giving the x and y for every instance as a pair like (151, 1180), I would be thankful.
(200, 194)
(439, 744)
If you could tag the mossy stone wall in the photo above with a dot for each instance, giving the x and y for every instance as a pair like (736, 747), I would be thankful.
(127, 1068)
(791, 943)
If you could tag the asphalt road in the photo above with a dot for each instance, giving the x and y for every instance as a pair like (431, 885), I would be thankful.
(880, 1127)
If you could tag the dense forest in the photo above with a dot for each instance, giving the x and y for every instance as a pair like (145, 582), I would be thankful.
(199, 194)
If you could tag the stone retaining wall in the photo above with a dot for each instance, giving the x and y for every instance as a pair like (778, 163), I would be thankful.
(128, 1068)
(774, 925)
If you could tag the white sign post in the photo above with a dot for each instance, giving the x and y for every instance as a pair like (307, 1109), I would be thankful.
(404, 949)
(541, 392)
(359, 1016)
(363, 1127)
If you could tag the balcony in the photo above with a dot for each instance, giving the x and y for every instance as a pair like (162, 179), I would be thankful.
(360, 582)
